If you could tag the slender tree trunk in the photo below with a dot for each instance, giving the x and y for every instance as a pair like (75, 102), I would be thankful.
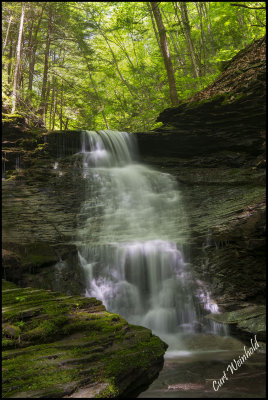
(30, 42)
(97, 95)
(52, 101)
(207, 16)
(136, 68)
(165, 52)
(33, 51)
(66, 124)
(116, 64)
(21, 67)
(9, 68)
(42, 107)
(6, 38)
(18, 59)
(83, 48)
(154, 27)
(173, 41)
(46, 100)
(54, 109)
(213, 42)
(203, 53)
(187, 34)
(122, 47)
(61, 105)
(122, 105)
(30, 30)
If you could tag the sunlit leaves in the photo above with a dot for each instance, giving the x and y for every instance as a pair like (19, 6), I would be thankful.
(218, 30)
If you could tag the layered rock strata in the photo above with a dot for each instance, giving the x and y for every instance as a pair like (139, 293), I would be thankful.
(69, 346)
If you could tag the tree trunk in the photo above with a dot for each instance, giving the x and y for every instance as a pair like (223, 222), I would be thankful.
(52, 101)
(54, 109)
(5, 42)
(116, 64)
(46, 100)
(61, 105)
(209, 28)
(97, 95)
(83, 49)
(21, 68)
(173, 41)
(203, 52)
(9, 68)
(33, 51)
(187, 34)
(66, 124)
(18, 59)
(42, 107)
(165, 52)
(154, 27)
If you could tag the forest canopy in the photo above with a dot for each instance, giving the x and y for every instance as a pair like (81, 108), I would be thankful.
(116, 65)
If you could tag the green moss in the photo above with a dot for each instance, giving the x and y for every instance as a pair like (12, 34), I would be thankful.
(238, 315)
(221, 99)
(8, 285)
(212, 99)
(15, 115)
(110, 391)
(8, 343)
(64, 340)
(11, 118)
(12, 331)
(46, 330)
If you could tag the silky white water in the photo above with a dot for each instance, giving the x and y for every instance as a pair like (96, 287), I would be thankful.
(132, 227)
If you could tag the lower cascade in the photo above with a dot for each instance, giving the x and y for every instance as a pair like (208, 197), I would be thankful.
(132, 229)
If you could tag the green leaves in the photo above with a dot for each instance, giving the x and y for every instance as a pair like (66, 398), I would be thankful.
(104, 62)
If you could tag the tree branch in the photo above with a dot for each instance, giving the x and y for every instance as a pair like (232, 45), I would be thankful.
(243, 5)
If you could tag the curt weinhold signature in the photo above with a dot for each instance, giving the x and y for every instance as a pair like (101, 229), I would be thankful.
(235, 364)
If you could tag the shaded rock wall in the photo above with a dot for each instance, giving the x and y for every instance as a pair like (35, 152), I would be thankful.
(40, 215)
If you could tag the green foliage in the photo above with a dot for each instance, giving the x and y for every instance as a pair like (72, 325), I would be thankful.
(105, 67)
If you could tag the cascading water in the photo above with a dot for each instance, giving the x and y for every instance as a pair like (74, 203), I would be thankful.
(132, 225)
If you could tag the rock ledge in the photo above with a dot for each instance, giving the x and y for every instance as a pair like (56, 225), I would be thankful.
(67, 346)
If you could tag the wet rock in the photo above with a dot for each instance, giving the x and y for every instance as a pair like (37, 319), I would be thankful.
(11, 331)
(250, 320)
(39, 225)
(71, 352)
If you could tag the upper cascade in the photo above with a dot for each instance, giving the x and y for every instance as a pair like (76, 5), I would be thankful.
(108, 148)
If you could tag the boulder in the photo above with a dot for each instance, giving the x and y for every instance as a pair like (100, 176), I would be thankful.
(69, 346)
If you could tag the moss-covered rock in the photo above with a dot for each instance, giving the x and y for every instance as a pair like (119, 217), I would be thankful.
(56, 345)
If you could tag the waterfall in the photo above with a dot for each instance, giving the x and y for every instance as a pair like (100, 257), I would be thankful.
(130, 239)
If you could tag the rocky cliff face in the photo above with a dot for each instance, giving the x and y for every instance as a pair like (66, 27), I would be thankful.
(213, 143)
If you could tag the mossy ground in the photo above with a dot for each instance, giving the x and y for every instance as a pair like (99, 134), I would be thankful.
(54, 344)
